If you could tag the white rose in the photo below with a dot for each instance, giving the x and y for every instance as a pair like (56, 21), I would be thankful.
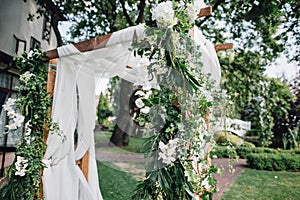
(139, 103)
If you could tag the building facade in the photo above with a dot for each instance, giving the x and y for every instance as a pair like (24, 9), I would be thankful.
(17, 34)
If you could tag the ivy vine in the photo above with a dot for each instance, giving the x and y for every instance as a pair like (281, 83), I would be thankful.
(33, 104)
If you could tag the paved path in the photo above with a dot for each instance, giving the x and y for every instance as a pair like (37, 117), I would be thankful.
(227, 178)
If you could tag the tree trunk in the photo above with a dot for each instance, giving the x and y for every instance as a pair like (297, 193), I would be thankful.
(125, 126)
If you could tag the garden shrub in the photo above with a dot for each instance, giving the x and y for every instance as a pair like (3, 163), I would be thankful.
(281, 161)
(220, 152)
(243, 152)
(248, 145)
(225, 137)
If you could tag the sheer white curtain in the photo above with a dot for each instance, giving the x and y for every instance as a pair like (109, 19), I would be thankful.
(74, 108)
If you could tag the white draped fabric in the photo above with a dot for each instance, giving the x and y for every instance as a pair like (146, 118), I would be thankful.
(74, 108)
(209, 56)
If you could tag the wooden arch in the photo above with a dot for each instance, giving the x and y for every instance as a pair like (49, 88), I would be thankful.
(96, 43)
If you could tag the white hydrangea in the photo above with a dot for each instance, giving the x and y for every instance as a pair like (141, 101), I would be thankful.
(26, 77)
(163, 13)
(21, 165)
(193, 9)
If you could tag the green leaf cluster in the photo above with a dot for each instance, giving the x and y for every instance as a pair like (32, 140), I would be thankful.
(34, 103)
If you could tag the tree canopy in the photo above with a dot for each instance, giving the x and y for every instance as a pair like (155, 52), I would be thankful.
(261, 30)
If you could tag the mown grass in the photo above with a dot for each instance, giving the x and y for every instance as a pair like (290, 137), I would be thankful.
(135, 144)
(115, 184)
(265, 185)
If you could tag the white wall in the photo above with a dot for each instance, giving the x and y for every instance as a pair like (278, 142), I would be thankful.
(13, 21)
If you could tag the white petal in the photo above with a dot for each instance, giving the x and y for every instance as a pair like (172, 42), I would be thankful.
(139, 103)
(140, 93)
(145, 110)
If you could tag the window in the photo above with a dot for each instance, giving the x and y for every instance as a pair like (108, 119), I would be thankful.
(20, 46)
(46, 29)
(7, 89)
(34, 43)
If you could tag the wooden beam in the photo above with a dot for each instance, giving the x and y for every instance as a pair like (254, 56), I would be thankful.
(220, 47)
(101, 41)
(205, 12)
(88, 45)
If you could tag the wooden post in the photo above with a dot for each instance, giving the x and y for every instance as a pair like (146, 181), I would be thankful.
(220, 47)
(84, 164)
(51, 76)
(205, 11)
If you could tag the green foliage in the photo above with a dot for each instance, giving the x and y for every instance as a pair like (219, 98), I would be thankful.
(181, 92)
(264, 27)
(289, 131)
(274, 162)
(291, 139)
(243, 152)
(104, 111)
(248, 145)
(34, 104)
(261, 185)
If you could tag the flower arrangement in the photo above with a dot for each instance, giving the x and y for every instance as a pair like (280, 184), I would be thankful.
(176, 114)
(30, 111)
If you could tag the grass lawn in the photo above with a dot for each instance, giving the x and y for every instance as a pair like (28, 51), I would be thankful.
(265, 185)
(115, 184)
(102, 140)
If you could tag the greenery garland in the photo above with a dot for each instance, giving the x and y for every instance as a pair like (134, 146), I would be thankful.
(175, 115)
(32, 108)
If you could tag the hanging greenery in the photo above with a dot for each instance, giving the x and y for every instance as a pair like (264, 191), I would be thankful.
(30, 112)
(176, 113)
